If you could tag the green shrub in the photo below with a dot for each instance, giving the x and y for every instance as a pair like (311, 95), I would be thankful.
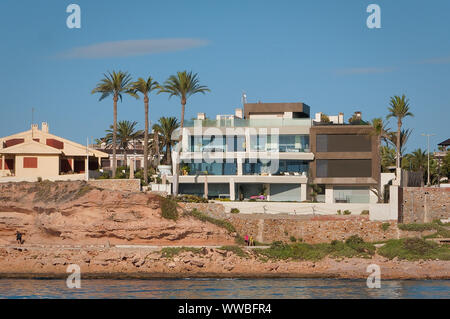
(347, 212)
(354, 240)
(39, 179)
(191, 199)
(205, 218)
(169, 252)
(414, 249)
(385, 226)
(293, 239)
(104, 175)
(234, 211)
(339, 212)
(441, 231)
(236, 250)
(169, 208)
(365, 212)
(417, 227)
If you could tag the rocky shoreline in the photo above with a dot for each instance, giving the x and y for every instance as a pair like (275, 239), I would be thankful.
(115, 263)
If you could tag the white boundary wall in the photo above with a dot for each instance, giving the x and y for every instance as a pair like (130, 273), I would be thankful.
(294, 208)
(63, 178)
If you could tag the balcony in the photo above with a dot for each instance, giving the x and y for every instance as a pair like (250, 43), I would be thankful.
(263, 123)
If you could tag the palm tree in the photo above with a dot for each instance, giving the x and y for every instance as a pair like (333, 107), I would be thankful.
(399, 108)
(183, 85)
(126, 133)
(380, 131)
(145, 87)
(387, 157)
(154, 147)
(418, 161)
(164, 129)
(404, 136)
(115, 84)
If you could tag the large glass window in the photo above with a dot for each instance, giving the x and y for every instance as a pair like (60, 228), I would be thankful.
(281, 143)
(214, 168)
(294, 143)
(217, 144)
(349, 194)
(278, 167)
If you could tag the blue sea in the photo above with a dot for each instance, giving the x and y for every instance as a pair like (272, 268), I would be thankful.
(223, 288)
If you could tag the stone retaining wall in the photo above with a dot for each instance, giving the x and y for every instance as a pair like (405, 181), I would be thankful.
(424, 204)
(127, 185)
(319, 229)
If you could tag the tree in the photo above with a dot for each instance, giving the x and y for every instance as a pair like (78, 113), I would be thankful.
(387, 158)
(380, 131)
(164, 129)
(126, 133)
(404, 136)
(115, 84)
(145, 87)
(399, 108)
(183, 85)
(324, 118)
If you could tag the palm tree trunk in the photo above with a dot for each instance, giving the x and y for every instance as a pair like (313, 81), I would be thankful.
(156, 140)
(180, 141)
(114, 163)
(399, 127)
(125, 157)
(146, 140)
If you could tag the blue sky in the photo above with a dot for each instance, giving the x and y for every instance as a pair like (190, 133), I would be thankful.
(317, 52)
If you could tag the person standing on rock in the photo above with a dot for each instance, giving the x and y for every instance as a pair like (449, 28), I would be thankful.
(252, 243)
(19, 237)
(246, 240)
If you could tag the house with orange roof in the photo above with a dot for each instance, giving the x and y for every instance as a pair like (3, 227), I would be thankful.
(36, 153)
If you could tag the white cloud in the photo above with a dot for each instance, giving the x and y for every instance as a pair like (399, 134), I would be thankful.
(368, 70)
(128, 48)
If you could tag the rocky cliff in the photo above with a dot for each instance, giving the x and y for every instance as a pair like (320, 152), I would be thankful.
(77, 213)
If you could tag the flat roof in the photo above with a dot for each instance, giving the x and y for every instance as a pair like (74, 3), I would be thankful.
(270, 108)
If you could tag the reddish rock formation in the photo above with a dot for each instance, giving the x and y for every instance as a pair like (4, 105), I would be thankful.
(76, 213)
(145, 263)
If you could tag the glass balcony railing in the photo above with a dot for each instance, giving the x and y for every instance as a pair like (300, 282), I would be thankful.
(268, 123)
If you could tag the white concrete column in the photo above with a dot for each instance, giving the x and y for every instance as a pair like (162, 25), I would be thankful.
(232, 190)
(247, 140)
(329, 194)
(268, 191)
(86, 167)
(239, 166)
(132, 169)
(393, 202)
(303, 192)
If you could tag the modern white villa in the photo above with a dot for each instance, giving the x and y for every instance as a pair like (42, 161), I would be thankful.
(266, 151)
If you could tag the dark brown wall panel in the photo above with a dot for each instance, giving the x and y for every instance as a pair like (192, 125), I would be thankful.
(343, 143)
(344, 168)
